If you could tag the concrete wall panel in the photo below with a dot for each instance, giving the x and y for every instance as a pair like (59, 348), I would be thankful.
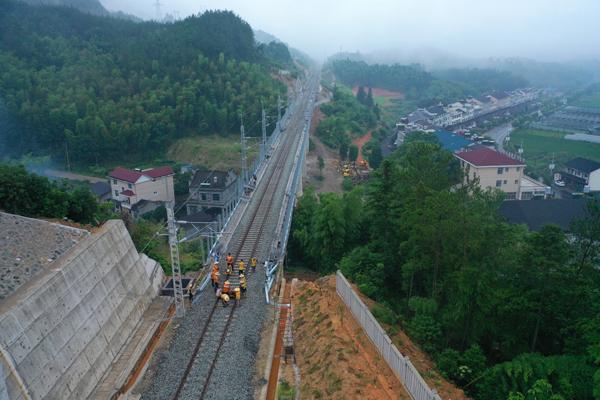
(10, 329)
(70, 325)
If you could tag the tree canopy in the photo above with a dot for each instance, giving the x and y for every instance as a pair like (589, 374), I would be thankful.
(503, 311)
(113, 90)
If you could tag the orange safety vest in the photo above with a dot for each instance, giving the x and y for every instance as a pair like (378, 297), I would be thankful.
(214, 276)
(229, 259)
(226, 287)
(215, 267)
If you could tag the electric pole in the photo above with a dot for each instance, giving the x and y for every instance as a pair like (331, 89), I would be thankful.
(279, 110)
(67, 154)
(244, 160)
(174, 248)
(264, 131)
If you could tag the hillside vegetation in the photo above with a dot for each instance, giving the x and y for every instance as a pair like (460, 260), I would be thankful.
(504, 312)
(420, 87)
(114, 90)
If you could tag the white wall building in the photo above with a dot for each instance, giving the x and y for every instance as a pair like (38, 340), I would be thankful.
(128, 187)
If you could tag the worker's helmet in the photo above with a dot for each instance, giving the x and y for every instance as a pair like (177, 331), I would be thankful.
(241, 275)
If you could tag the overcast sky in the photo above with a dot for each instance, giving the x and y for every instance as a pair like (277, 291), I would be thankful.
(542, 29)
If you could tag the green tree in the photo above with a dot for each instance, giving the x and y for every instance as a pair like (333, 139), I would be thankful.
(321, 165)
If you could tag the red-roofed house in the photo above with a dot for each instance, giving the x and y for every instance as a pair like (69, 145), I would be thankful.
(128, 187)
(494, 170)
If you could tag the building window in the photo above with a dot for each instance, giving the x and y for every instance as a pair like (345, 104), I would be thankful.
(518, 169)
(506, 169)
(216, 197)
(516, 181)
(498, 183)
(114, 181)
(511, 196)
(116, 192)
(155, 192)
(505, 182)
(130, 186)
(500, 170)
(203, 196)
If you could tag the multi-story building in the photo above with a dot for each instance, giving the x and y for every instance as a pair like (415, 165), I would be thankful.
(582, 173)
(494, 170)
(213, 191)
(128, 187)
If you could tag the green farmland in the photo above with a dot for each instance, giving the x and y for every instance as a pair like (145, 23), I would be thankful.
(540, 146)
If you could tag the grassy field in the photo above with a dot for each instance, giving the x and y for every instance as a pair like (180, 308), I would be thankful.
(540, 146)
(214, 152)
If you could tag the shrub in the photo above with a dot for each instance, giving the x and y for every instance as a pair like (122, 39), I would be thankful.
(384, 315)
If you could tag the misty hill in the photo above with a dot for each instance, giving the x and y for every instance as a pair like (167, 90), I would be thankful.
(116, 90)
(568, 75)
(475, 81)
(93, 7)
(562, 76)
(273, 41)
(423, 87)
(87, 6)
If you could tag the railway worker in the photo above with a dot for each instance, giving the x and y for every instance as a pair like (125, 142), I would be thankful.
(241, 267)
(226, 286)
(243, 283)
(228, 272)
(237, 295)
(229, 260)
(253, 262)
(214, 278)
(225, 299)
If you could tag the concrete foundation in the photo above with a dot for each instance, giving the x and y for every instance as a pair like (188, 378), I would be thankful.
(62, 330)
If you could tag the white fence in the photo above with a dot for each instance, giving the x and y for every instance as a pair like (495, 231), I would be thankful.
(402, 367)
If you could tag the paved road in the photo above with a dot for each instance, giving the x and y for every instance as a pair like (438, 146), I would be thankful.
(500, 133)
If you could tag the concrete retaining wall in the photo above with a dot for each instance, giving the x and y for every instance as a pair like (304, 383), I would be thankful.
(61, 331)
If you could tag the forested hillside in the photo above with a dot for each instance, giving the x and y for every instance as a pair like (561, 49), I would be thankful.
(422, 87)
(506, 313)
(114, 90)
(475, 81)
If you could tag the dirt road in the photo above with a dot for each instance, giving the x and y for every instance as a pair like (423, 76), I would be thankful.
(54, 173)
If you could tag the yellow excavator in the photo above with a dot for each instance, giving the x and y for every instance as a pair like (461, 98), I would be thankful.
(346, 170)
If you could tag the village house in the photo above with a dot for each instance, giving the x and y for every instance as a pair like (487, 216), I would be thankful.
(581, 172)
(215, 192)
(494, 170)
(129, 187)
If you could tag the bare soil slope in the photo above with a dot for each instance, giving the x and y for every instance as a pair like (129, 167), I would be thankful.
(336, 359)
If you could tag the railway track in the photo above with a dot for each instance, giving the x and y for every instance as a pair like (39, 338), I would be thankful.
(196, 379)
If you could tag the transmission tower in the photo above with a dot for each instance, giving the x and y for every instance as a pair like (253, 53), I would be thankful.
(244, 160)
(157, 5)
(174, 248)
